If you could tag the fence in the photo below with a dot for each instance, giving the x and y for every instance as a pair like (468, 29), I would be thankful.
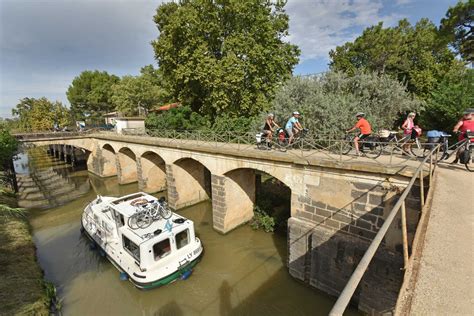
(351, 286)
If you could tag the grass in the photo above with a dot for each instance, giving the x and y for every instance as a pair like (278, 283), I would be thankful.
(22, 289)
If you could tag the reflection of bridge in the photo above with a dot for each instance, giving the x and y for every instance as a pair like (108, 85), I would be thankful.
(338, 203)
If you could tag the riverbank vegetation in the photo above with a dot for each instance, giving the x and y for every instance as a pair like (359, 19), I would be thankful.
(22, 290)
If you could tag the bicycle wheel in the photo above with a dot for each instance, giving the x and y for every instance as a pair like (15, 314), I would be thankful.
(132, 222)
(417, 149)
(346, 146)
(282, 145)
(144, 221)
(371, 150)
(165, 212)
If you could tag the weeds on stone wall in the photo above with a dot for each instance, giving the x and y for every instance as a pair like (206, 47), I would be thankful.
(261, 220)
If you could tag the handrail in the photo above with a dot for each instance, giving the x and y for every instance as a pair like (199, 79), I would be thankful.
(348, 291)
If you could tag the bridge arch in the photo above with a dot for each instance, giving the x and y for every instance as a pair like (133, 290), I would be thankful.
(107, 163)
(152, 174)
(127, 166)
(235, 196)
(189, 182)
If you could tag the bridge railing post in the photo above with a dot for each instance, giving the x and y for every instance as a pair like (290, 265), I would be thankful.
(422, 188)
(404, 236)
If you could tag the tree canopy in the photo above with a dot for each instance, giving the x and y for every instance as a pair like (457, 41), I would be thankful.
(90, 93)
(223, 56)
(412, 54)
(133, 94)
(329, 103)
(41, 114)
(458, 28)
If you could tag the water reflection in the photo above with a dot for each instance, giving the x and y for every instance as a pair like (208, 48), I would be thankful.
(242, 273)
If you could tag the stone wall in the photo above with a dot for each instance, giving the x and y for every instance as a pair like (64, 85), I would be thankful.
(333, 224)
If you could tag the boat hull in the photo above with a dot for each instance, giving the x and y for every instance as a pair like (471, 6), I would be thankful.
(178, 274)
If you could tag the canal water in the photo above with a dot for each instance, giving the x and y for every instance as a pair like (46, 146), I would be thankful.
(241, 273)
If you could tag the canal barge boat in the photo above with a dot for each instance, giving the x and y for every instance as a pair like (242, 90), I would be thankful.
(149, 244)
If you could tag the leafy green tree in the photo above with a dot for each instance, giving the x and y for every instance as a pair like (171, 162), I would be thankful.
(224, 56)
(8, 147)
(133, 94)
(180, 118)
(328, 103)
(454, 94)
(458, 28)
(90, 93)
(41, 114)
(412, 54)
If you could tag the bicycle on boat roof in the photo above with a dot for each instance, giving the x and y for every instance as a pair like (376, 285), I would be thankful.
(147, 212)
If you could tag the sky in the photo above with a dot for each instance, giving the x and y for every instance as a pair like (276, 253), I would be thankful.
(44, 44)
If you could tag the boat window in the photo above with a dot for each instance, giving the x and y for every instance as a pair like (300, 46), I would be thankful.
(162, 249)
(131, 247)
(182, 239)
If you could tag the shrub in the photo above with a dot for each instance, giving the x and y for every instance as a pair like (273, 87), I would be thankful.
(261, 220)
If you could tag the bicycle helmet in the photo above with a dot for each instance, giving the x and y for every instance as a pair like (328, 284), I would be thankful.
(270, 115)
(361, 114)
(468, 111)
(296, 113)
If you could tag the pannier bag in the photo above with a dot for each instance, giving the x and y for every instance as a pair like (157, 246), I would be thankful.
(464, 156)
(259, 137)
(417, 130)
(384, 133)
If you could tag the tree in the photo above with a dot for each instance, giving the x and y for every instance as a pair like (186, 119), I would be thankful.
(328, 103)
(132, 94)
(224, 56)
(454, 94)
(90, 93)
(8, 148)
(41, 114)
(181, 119)
(413, 55)
(458, 29)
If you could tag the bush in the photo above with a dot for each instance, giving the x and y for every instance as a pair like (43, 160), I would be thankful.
(181, 118)
(328, 103)
(261, 220)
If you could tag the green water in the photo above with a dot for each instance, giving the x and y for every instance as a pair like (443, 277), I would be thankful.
(241, 273)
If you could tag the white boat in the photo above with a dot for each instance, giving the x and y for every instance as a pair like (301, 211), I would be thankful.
(153, 253)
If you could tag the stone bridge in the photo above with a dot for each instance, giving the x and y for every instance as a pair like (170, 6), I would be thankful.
(337, 206)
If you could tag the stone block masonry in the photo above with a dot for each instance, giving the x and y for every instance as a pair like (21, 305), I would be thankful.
(219, 205)
(173, 195)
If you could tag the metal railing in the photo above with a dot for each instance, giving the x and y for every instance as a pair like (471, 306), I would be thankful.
(47, 135)
(351, 286)
(324, 146)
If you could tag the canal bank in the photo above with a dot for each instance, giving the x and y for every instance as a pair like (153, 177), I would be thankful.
(22, 288)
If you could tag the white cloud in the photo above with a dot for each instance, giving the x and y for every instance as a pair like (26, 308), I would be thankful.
(317, 26)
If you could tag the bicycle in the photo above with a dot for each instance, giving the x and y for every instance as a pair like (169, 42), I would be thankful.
(463, 149)
(369, 146)
(148, 213)
(415, 147)
(298, 139)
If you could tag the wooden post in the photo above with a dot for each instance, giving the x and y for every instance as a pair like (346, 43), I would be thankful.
(404, 235)
(422, 189)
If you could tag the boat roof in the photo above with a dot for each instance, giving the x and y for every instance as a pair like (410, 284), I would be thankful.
(125, 204)
(160, 227)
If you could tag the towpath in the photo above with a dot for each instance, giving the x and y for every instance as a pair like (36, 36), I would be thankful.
(445, 282)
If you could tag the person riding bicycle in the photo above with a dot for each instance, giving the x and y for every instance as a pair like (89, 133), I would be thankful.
(408, 129)
(365, 130)
(293, 126)
(464, 125)
(270, 126)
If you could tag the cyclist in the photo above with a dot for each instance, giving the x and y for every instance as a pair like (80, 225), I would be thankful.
(408, 130)
(464, 125)
(365, 130)
(293, 126)
(270, 126)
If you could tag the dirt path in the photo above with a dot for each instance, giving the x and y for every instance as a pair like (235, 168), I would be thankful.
(445, 284)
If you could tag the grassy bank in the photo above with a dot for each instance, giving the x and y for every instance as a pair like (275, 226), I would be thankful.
(22, 290)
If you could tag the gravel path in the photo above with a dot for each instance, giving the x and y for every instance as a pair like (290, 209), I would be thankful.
(445, 284)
